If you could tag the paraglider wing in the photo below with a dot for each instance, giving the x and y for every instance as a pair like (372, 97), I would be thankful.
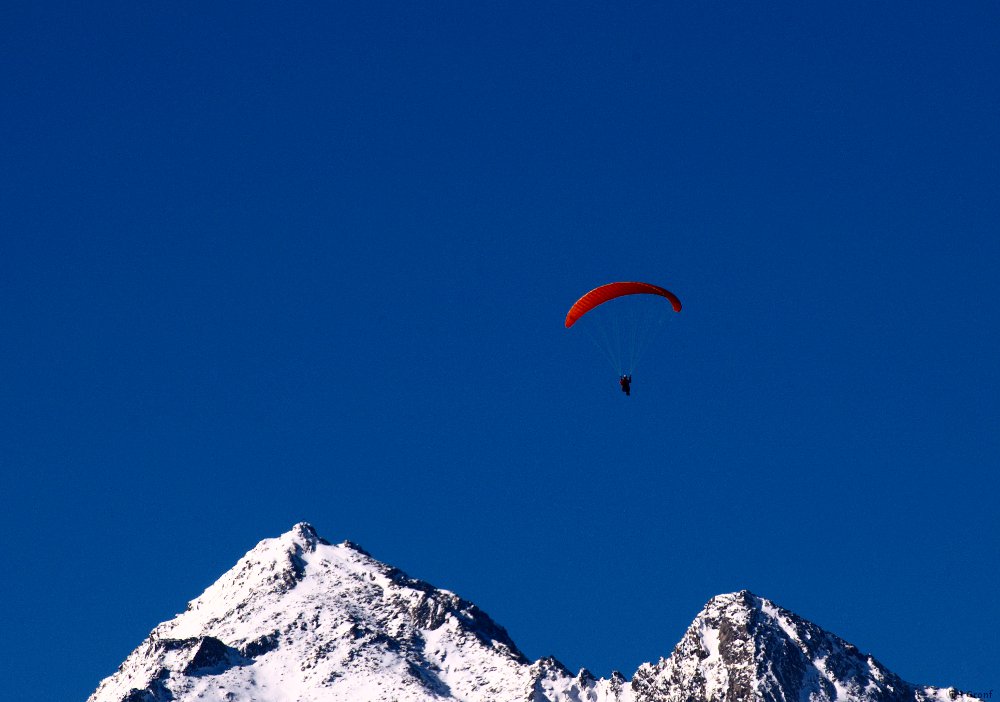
(610, 291)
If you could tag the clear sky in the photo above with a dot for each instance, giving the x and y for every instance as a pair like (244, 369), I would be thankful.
(263, 263)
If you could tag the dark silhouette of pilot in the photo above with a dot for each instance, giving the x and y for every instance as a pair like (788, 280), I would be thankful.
(626, 382)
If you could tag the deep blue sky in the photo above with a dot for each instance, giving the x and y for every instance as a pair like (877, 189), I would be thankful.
(271, 263)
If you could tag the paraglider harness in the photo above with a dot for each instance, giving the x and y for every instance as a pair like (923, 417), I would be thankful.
(626, 382)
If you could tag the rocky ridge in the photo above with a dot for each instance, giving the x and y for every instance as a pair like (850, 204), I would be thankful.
(299, 619)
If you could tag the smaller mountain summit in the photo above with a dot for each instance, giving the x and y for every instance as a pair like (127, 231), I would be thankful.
(299, 619)
(744, 647)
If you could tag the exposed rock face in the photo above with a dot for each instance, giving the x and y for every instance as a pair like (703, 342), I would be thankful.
(299, 619)
(743, 647)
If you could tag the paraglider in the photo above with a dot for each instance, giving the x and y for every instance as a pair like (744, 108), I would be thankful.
(623, 329)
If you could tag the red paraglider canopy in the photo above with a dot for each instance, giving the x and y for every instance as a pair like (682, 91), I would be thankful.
(610, 291)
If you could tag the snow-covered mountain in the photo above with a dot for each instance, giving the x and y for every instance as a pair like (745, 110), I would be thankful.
(299, 619)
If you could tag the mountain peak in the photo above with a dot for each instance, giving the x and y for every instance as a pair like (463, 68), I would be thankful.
(734, 603)
(744, 647)
(306, 533)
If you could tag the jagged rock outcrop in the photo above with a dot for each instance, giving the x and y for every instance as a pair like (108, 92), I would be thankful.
(299, 619)
(743, 647)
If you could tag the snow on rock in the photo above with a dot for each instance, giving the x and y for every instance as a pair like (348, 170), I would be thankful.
(743, 647)
(299, 619)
